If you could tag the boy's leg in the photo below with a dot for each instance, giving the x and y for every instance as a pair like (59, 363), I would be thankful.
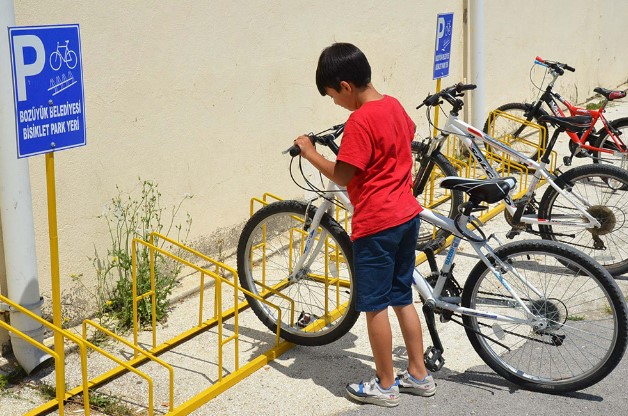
(410, 325)
(415, 380)
(380, 337)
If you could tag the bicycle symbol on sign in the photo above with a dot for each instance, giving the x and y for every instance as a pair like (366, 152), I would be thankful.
(68, 56)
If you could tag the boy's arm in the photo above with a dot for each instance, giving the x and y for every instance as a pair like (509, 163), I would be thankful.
(338, 171)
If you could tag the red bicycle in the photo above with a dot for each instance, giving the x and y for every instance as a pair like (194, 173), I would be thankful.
(603, 145)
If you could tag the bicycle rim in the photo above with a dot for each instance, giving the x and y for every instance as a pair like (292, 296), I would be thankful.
(584, 333)
(605, 190)
(316, 302)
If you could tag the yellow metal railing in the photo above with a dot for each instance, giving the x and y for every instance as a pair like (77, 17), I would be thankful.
(218, 272)
(61, 394)
(220, 313)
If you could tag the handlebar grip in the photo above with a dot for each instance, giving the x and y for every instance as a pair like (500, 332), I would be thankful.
(294, 150)
(465, 87)
(569, 68)
(541, 60)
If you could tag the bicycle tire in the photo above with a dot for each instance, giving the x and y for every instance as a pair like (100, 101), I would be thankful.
(519, 137)
(433, 197)
(606, 142)
(605, 188)
(324, 309)
(586, 327)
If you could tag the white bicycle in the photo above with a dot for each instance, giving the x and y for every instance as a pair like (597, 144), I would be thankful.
(585, 206)
(540, 313)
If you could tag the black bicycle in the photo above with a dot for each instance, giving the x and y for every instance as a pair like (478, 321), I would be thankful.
(603, 145)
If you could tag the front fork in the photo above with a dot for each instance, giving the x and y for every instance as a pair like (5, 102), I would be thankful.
(305, 260)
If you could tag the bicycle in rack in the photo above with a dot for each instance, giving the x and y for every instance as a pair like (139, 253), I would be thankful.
(603, 146)
(585, 207)
(540, 313)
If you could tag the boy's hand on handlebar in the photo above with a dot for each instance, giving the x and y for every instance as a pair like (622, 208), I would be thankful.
(304, 142)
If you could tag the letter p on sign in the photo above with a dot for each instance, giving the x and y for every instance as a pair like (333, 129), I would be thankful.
(23, 69)
(440, 30)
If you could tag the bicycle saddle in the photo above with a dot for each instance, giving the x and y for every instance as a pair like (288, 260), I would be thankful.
(610, 95)
(481, 190)
(575, 124)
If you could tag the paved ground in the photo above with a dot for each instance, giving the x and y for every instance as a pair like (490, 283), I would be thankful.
(311, 380)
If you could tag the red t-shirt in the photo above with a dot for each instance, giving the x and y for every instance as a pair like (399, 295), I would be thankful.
(376, 140)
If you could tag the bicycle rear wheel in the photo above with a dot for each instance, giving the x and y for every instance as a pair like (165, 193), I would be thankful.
(521, 137)
(430, 194)
(582, 331)
(317, 302)
(605, 190)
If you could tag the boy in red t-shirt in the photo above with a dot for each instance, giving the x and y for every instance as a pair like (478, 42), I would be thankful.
(375, 163)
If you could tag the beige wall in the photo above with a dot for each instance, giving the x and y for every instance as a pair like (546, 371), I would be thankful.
(202, 96)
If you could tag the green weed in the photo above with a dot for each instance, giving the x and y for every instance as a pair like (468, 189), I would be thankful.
(109, 405)
(129, 216)
(596, 105)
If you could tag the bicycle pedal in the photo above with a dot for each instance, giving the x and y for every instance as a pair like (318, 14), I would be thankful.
(512, 234)
(305, 319)
(567, 160)
(433, 358)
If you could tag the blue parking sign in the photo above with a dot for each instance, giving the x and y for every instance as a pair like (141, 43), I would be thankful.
(442, 50)
(48, 88)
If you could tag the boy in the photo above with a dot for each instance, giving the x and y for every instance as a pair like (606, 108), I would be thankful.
(375, 164)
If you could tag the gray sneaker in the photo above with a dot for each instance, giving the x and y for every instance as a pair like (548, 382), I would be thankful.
(410, 385)
(373, 393)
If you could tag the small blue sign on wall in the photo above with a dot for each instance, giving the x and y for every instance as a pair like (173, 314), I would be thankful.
(444, 27)
(48, 88)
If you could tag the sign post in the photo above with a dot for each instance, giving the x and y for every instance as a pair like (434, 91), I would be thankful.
(442, 52)
(50, 116)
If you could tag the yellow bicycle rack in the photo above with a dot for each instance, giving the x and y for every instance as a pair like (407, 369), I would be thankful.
(225, 307)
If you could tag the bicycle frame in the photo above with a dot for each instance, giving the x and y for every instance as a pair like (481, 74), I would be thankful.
(420, 283)
(469, 136)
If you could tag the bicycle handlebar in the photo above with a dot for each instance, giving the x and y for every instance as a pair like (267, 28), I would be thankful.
(449, 94)
(324, 139)
(556, 66)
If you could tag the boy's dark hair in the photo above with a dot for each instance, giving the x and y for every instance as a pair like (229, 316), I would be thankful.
(342, 62)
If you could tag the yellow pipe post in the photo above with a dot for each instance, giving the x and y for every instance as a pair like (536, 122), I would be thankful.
(436, 108)
(57, 319)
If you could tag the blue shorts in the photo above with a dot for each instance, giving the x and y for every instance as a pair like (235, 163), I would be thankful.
(384, 263)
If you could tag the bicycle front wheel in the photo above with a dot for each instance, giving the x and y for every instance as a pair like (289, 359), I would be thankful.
(317, 301)
(519, 136)
(604, 190)
(579, 330)
(427, 190)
